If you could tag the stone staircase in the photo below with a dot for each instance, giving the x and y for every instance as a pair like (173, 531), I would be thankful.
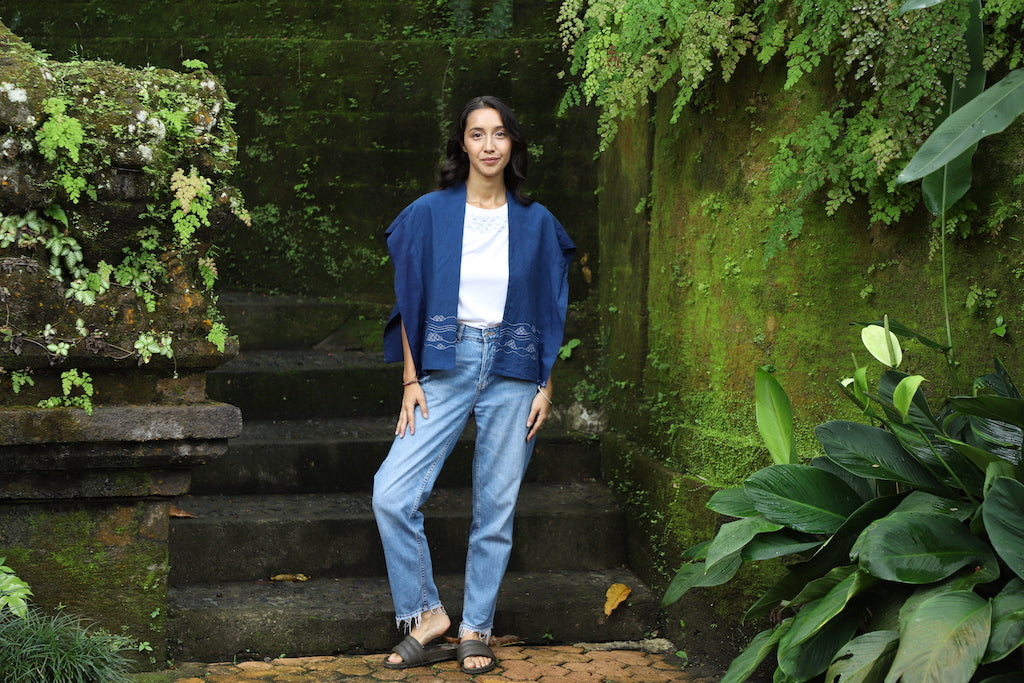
(292, 496)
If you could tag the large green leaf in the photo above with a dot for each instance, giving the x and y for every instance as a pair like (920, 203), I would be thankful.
(990, 112)
(802, 497)
(919, 501)
(733, 502)
(814, 616)
(964, 579)
(808, 658)
(943, 640)
(745, 664)
(993, 407)
(700, 574)
(774, 417)
(872, 452)
(1007, 622)
(999, 438)
(732, 536)
(779, 544)
(905, 392)
(999, 381)
(836, 550)
(861, 485)
(918, 411)
(865, 659)
(943, 188)
(1003, 512)
(918, 547)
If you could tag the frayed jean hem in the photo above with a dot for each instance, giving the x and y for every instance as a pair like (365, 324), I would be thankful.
(406, 623)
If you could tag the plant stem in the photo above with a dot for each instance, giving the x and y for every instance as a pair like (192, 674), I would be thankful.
(950, 362)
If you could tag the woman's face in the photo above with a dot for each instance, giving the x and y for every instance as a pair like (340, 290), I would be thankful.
(487, 143)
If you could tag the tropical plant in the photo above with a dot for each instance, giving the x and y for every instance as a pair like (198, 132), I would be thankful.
(906, 539)
(968, 114)
(13, 591)
(61, 649)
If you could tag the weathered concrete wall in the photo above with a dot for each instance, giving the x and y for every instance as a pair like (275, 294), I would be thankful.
(340, 114)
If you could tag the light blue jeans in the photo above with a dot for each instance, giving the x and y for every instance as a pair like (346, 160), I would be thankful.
(501, 406)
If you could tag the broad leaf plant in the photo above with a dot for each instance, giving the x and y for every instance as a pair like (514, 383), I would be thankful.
(905, 541)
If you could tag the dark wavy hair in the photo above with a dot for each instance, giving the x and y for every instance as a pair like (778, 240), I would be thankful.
(455, 168)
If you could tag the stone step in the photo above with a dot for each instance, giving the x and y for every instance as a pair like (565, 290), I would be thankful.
(307, 383)
(247, 538)
(228, 621)
(264, 321)
(328, 456)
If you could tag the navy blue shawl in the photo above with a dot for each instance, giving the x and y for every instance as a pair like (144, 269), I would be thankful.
(425, 242)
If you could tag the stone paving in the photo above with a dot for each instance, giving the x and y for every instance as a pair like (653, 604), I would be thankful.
(543, 664)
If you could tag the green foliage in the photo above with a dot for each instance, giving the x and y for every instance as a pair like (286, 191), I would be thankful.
(620, 60)
(892, 75)
(20, 379)
(61, 649)
(13, 591)
(63, 132)
(565, 351)
(59, 131)
(193, 200)
(70, 380)
(149, 344)
(774, 417)
(905, 538)
(218, 335)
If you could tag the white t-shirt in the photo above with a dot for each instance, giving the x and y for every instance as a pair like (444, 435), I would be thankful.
(483, 284)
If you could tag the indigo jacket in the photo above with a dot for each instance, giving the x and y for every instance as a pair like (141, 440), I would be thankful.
(425, 242)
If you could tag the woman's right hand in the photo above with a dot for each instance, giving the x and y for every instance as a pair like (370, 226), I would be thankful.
(412, 396)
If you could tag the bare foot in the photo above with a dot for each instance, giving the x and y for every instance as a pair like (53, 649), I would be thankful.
(475, 662)
(432, 625)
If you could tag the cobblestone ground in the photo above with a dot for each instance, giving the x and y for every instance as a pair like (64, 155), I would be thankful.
(547, 664)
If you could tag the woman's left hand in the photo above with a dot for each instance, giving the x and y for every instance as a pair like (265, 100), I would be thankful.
(539, 410)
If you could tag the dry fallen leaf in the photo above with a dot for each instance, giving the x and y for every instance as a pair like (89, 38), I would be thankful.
(178, 512)
(289, 577)
(616, 593)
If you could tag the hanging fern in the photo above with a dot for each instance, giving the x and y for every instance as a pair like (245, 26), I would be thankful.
(891, 74)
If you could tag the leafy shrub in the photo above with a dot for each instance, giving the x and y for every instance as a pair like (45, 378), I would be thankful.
(907, 536)
(13, 591)
(60, 649)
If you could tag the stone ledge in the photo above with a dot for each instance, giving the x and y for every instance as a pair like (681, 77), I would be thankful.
(119, 424)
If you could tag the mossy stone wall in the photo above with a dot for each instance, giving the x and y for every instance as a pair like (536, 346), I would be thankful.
(340, 117)
(684, 280)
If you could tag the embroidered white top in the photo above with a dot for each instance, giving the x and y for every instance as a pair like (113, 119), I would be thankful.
(483, 283)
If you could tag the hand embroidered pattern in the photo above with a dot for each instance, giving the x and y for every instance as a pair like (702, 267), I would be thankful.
(519, 339)
(440, 331)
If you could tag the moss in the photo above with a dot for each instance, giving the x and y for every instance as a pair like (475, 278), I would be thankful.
(106, 563)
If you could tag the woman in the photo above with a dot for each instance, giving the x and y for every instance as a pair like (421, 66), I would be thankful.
(481, 288)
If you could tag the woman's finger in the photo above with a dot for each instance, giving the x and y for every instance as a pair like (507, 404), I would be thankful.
(412, 397)
(538, 415)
